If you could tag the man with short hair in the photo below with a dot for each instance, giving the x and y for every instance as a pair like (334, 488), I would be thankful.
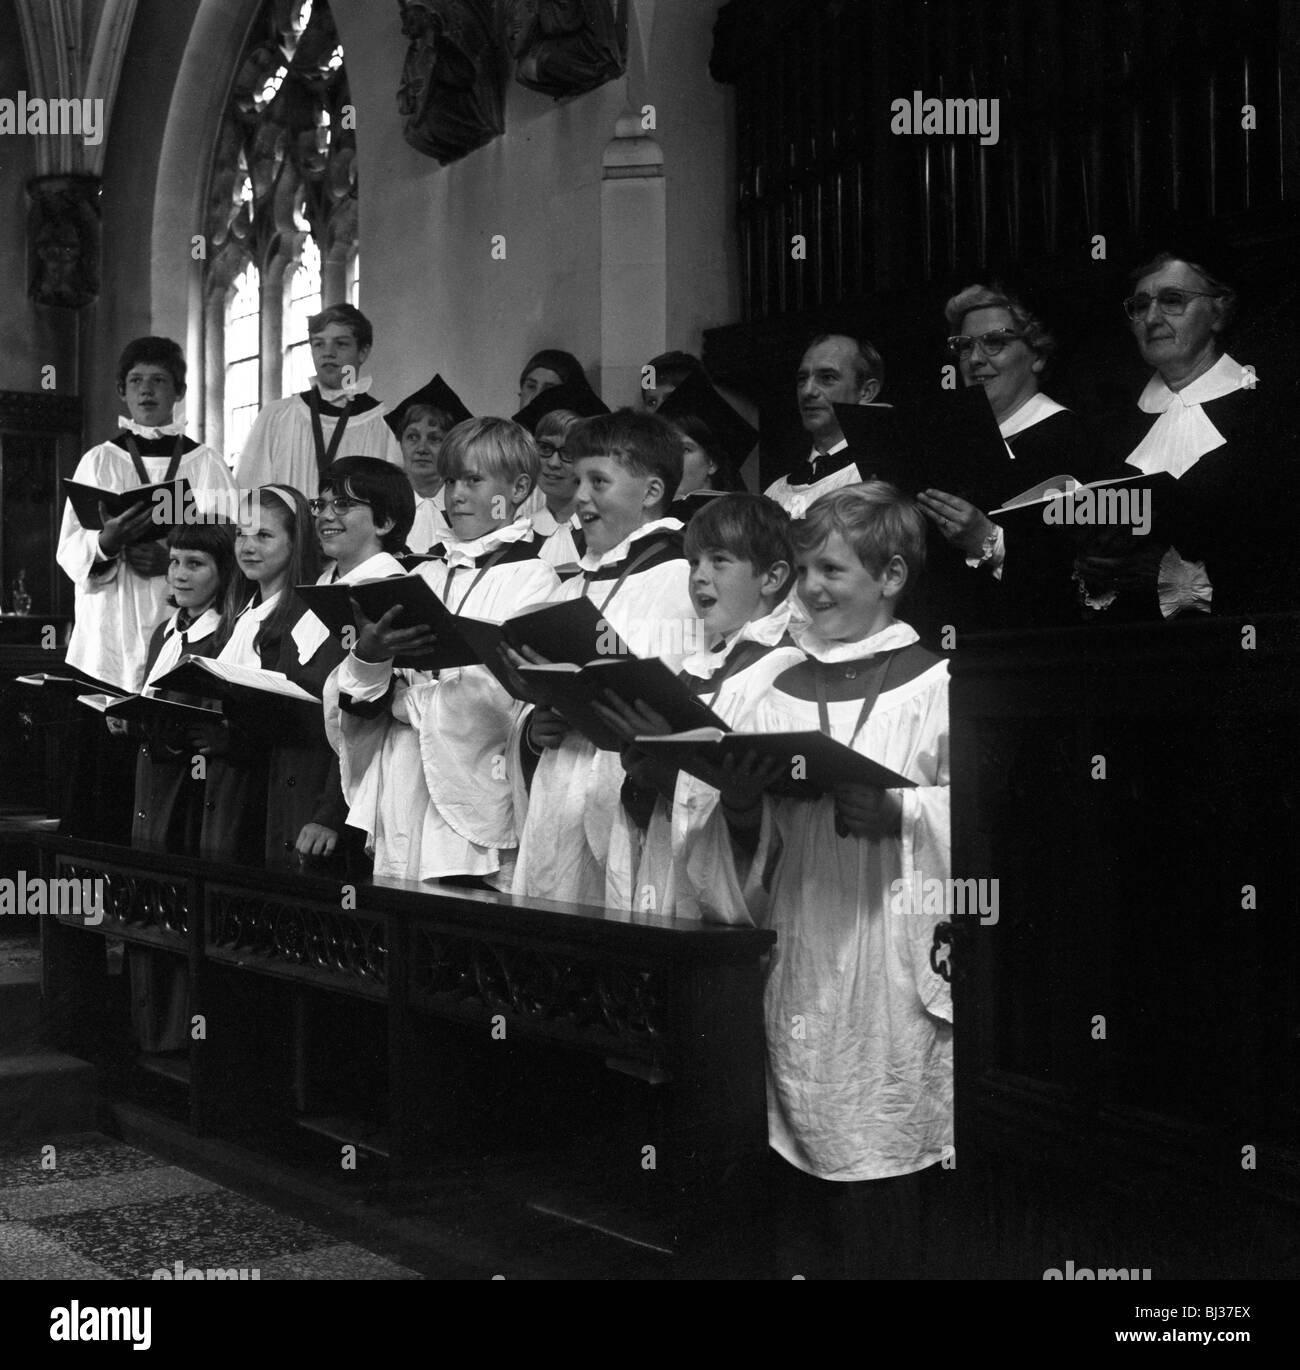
(835, 369)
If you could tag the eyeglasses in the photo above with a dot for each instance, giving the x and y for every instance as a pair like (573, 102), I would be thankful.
(549, 449)
(341, 505)
(989, 343)
(1169, 301)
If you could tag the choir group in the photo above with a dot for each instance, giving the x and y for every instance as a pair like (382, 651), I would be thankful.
(784, 613)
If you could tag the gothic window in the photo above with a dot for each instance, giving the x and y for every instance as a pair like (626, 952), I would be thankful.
(243, 356)
(282, 220)
(302, 299)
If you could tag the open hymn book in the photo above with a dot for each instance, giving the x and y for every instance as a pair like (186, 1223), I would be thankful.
(811, 763)
(1060, 487)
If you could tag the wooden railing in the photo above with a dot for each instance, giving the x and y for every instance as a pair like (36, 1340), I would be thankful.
(589, 1047)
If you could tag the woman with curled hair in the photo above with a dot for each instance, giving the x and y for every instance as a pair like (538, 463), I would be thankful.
(1003, 348)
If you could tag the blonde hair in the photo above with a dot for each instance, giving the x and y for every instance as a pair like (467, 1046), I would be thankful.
(501, 449)
(877, 521)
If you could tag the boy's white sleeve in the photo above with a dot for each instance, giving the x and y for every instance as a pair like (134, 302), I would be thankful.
(78, 549)
(926, 841)
(364, 681)
(253, 468)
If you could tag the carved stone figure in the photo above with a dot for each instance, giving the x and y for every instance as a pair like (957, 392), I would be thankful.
(451, 95)
(63, 240)
(563, 47)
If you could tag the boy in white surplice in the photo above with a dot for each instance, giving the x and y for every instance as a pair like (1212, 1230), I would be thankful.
(859, 1024)
(423, 754)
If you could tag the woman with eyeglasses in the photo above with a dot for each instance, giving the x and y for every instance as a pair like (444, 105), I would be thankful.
(1225, 541)
(1004, 349)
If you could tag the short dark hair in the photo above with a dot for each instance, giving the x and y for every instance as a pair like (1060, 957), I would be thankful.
(350, 317)
(877, 520)
(753, 528)
(868, 364)
(385, 488)
(154, 352)
(642, 443)
(565, 365)
(216, 537)
(672, 368)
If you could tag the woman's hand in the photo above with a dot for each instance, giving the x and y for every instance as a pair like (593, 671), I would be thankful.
(315, 839)
(864, 811)
(118, 533)
(959, 521)
(380, 641)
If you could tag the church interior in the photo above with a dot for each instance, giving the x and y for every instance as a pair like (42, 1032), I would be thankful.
(406, 1079)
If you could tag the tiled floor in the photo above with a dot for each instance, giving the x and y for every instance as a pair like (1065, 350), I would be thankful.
(108, 1211)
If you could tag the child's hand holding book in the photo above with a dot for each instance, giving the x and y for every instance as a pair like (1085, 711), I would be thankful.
(379, 641)
(128, 527)
(863, 811)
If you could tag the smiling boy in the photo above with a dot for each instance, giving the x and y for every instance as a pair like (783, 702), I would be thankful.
(295, 438)
(859, 1023)
(421, 753)
(628, 466)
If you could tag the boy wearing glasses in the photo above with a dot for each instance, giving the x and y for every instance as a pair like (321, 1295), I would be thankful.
(293, 440)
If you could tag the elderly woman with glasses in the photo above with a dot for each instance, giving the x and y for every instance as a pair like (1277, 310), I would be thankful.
(1004, 349)
(1224, 542)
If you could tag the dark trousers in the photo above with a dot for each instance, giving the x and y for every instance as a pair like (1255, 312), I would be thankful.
(892, 1229)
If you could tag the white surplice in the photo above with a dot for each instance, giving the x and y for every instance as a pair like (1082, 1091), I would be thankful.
(426, 779)
(735, 702)
(280, 449)
(116, 610)
(575, 790)
(859, 1025)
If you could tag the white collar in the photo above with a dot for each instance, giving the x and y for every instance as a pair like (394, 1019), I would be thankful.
(1183, 432)
(768, 630)
(817, 454)
(591, 562)
(457, 553)
(257, 612)
(1034, 410)
(203, 625)
(377, 567)
(358, 387)
(167, 430)
(897, 634)
(1225, 376)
